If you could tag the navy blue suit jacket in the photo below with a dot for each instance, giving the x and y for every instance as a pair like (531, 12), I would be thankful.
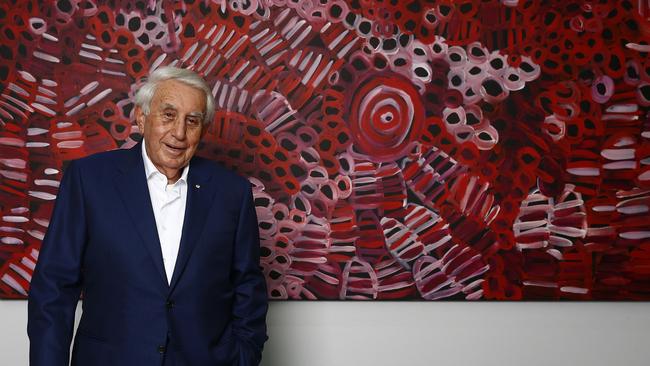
(102, 241)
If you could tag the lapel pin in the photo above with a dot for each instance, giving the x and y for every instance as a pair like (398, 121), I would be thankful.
(198, 186)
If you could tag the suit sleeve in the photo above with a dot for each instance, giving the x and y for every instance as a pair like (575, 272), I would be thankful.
(250, 303)
(56, 284)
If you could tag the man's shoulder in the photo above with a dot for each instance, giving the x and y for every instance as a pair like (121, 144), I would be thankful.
(104, 159)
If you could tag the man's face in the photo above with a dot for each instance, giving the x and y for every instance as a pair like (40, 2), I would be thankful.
(174, 126)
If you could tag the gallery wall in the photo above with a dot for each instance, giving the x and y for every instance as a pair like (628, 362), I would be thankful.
(420, 150)
(424, 334)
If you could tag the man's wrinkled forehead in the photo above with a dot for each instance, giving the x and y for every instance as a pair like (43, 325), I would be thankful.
(165, 96)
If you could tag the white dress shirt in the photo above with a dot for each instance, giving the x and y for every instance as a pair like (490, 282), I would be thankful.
(168, 202)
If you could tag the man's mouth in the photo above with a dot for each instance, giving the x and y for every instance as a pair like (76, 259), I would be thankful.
(174, 149)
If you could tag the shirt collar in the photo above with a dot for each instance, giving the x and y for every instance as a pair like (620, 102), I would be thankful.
(151, 170)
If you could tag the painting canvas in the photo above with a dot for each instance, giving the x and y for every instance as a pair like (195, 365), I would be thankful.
(398, 150)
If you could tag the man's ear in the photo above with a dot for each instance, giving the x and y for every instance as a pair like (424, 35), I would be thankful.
(205, 126)
(139, 118)
(204, 129)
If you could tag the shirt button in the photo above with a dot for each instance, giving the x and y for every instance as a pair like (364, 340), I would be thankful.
(162, 350)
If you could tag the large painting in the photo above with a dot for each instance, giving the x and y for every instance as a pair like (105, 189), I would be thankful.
(432, 150)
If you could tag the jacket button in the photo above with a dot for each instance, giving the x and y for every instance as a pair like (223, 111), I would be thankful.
(162, 349)
(170, 304)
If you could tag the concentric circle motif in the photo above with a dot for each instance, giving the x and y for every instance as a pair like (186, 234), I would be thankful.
(386, 115)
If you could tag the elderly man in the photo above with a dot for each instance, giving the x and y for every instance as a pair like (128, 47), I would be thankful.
(163, 245)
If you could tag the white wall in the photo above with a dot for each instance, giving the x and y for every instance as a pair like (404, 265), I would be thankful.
(418, 333)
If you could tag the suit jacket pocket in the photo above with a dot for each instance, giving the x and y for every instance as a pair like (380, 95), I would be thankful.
(224, 352)
(91, 350)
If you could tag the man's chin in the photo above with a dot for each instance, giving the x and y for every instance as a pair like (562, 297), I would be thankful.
(172, 159)
(176, 164)
(172, 167)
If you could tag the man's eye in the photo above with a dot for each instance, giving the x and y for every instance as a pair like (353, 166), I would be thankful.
(193, 121)
(169, 115)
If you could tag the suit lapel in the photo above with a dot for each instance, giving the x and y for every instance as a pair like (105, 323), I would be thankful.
(132, 185)
(199, 201)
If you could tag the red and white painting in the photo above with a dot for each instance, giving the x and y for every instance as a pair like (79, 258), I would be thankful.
(399, 150)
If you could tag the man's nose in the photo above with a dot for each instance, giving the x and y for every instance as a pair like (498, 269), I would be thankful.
(179, 129)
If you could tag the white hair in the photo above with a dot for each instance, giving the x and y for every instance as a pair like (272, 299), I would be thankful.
(145, 94)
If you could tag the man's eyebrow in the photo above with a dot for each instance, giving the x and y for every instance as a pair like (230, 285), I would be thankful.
(168, 106)
(196, 114)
